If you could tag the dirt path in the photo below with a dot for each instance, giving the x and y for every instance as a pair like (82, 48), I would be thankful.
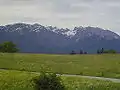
(93, 77)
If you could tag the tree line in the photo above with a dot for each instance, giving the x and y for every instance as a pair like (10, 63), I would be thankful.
(99, 51)
(10, 47)
(80, 52)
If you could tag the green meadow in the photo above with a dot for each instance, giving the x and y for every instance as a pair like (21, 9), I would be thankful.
(106, 65)
(18, 70)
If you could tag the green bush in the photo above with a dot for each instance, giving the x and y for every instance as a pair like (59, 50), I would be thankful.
(48, 82)
(8, 47)
(110, 51)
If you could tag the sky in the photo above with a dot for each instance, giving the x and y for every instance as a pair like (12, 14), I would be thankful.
(62, 13)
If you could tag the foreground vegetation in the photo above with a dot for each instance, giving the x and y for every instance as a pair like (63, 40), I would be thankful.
(106, 65)
(21, 80)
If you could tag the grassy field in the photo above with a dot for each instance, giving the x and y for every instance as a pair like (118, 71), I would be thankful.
(21, 80)
(92, 65)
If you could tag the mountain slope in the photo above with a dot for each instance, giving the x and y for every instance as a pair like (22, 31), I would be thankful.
(47, 39)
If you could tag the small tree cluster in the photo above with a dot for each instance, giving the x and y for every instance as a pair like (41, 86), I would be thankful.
(81, 52)
(48, 82)
(101, 51)
(8, 47)
(72, 53)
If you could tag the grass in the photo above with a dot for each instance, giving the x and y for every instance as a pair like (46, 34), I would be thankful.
(15, 80)
(106, 65)
(21, 80)
(93, 65)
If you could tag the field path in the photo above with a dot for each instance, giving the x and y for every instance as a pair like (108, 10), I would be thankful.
(93, 77)
(81, 76)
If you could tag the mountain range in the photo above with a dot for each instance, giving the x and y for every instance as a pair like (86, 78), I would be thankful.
(36, 38)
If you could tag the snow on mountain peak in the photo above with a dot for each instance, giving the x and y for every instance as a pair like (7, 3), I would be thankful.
(77, 32)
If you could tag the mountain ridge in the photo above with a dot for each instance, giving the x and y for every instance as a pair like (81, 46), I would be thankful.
(48, 39)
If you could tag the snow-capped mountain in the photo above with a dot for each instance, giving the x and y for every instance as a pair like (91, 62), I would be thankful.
(48, 39)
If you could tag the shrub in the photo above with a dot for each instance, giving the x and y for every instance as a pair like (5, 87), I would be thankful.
(48, 82)
(110, 51)
(8, 47)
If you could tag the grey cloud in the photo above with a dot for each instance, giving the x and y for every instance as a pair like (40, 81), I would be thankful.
(16, 2)
(114, 1)
(62, 13)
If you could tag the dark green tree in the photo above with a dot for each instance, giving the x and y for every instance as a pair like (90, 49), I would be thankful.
(8, 47)
(102, 50)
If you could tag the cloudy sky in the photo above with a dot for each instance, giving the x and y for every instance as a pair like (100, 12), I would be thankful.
(63, 13)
